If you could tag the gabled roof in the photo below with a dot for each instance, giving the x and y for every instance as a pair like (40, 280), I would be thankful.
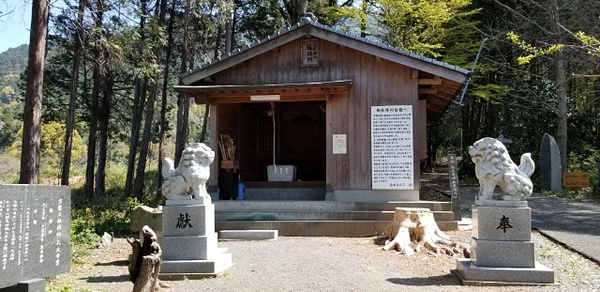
(439, 83)
(335, 35)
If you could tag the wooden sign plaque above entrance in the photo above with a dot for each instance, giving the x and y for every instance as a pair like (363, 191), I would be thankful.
(310, 53)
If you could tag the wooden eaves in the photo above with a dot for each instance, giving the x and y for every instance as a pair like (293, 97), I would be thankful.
(235, 93)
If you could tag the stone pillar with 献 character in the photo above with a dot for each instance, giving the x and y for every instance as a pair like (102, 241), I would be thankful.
(189, 242)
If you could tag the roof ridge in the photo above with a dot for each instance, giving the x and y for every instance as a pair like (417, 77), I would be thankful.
(307, 19)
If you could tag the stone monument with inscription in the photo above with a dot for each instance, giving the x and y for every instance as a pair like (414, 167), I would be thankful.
(189, 241)
(35, 235)
(502, 251)
(550, 165)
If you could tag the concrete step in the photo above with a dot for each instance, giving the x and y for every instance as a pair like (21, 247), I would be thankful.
(321, 218)
(302, 215)
(226, 205)
(249, 234)
(344, 228)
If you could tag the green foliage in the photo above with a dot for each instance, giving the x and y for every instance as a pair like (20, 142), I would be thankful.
(52, 145)
(196, 116)
(584, 162)
(419, 26)
(58, 284)
(9, 172)
(12, 63)
(14, 60)
(490, 91)
(332, 15)
(592, 44)
(137, 50)
(532, 51)
(110, 213)
(83, 228)
(260, 19)
(10, 122)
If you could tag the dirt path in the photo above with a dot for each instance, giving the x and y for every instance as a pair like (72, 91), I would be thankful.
(327, 264)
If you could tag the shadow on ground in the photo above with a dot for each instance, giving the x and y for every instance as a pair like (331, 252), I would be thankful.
(114, 263)
(442, 280)
(107, 279)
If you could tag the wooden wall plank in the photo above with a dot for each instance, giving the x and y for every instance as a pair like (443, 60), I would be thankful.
(375, 82)
(213, 144)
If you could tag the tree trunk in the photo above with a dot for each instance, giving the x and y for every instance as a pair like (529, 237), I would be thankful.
(229, 28)
(561, 92)
(138, 185)
(138, 109)
(413, 228)
(139, 99)
(183, 108)
(163, 104)
(66, 165)
(99, 77)
(183, 103)
(30, 152)
(92, 136)
(145, 261)
(103, 119)
(204, 123)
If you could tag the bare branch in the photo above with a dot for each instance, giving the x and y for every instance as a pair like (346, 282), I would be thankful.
(523, 17)
(585, 46)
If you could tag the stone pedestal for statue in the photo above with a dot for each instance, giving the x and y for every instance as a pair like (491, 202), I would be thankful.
(189, 241)
(501, 249)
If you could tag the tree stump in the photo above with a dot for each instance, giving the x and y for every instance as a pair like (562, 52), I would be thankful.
(145, 261)
(413, 228)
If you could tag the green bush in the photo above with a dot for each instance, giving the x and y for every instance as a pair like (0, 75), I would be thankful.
(91, 217)
(584, 162)
(9, 172)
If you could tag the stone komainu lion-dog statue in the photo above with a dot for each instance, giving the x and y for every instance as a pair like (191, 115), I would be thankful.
(493, 166)
(189, 179)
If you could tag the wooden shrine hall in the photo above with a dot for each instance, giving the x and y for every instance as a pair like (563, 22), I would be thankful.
(319, 114)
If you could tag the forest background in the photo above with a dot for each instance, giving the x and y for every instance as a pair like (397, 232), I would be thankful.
(109, 112)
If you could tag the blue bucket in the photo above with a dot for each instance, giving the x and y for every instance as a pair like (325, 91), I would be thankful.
(241, 191)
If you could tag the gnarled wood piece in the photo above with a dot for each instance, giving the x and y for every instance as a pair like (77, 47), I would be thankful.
(145, 261)
(416, 227)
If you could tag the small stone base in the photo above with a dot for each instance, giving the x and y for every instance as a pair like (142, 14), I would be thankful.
(195, 269)
(32, 285)
(471, 274)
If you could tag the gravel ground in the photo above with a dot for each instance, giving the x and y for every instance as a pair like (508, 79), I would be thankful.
(331, 264)
(327, 264)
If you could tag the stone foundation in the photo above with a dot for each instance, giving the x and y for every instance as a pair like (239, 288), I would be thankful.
(189, 241)
(502, 251)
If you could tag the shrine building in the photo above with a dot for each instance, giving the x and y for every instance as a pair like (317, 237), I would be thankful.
(320, 114)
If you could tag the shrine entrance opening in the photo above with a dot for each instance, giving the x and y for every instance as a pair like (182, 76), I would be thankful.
(300, 137)
(300, 113)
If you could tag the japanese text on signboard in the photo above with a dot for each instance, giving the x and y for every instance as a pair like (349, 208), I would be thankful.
(34, 232)
(392, 147)
(310, 53)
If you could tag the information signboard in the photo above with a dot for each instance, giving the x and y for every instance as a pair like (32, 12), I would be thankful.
(576, 179)
(392, 154)
(453, 180)
(339, 144)
(35, 232)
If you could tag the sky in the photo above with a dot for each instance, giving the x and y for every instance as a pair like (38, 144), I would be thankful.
(15, 20)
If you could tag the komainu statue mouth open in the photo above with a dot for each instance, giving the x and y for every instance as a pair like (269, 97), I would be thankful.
(189, 179)
(493, 166)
